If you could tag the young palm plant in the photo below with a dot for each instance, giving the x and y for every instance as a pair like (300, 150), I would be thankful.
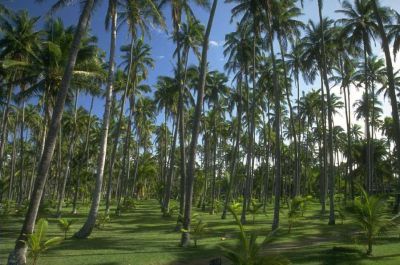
(37, 243)
(295, 210)
(65, 225)
(199, 228)
(248, 252)
(369, 213)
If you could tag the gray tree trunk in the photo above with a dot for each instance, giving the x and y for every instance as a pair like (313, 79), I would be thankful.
(185, 239)
(90, 222)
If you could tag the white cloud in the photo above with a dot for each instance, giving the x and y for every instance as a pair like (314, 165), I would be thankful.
(160, 57)
(215, 43)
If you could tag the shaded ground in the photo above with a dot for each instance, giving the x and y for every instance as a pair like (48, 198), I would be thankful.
(143, 237)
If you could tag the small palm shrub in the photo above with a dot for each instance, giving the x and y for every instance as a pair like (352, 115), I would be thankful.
(102, 220)
(255, 209)
(128, 204)
(198, 230)
(173, 209)
(369, 213)
(6, 208)
(247, 251)
(295, 211)
(65, 225)
(37, 243)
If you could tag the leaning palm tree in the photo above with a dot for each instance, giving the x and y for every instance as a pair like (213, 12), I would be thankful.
(141, 11)
(18, 255)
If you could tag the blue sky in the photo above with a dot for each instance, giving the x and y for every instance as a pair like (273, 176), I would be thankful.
(162, 46)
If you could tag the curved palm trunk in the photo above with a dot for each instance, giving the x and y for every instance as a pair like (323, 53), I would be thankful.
(17, 256)
(185, 239)
(392, 92)
(90, 222)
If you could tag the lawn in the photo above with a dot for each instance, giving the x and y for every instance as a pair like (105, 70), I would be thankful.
(143, 237)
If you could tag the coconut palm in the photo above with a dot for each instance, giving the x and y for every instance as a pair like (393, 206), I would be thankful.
(185, 239)
(381, 16)
(18, 254)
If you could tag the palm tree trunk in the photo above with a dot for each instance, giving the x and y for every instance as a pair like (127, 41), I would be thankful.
(117, 134)
(21, 152)
(90, 222)
(296, 191)
(4, 125)
(87, 157)
(392, 93)
(367, 123)
(235, 151)
(185, 239)
(18, 255)
(215, 147)
(331, 180)
(170, 173)
(69, 158)
(13, 160)
(277, 101)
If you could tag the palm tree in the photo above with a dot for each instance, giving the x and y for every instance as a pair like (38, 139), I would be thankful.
(137, 59)
(277, 109)
(185, 239)
(87, 228)
(380, 17)
(215, 94)
(177, 9)
(315, 57)
(358, 27)
(17, 256)
(288, 28)
(19, 47)
(238, 51)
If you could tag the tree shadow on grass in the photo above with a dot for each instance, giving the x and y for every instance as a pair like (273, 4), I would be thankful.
(332, 256)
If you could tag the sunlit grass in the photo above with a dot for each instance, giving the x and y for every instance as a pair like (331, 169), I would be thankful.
(142, 237)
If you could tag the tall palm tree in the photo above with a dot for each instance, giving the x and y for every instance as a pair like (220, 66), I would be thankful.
(19, 47)
(17, 256)
(137, 59)
(358, 27)
(90, 222)
(288, 29)
(185, 239)
(178, 8)
(381, 17)
(239, 51)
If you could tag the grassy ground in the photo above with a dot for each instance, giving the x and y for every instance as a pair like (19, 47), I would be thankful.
(143, 237)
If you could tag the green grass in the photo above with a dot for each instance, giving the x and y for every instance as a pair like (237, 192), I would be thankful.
(143, 237)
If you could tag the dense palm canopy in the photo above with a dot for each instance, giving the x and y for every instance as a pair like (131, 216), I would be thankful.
(299, 113)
